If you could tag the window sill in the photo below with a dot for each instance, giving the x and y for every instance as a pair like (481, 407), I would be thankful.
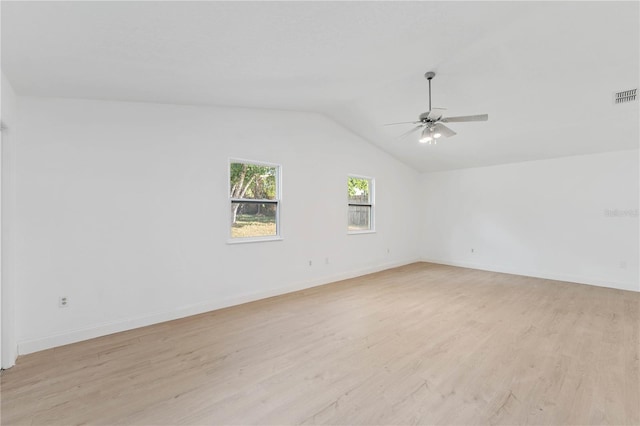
(253, 240)
(371, 231)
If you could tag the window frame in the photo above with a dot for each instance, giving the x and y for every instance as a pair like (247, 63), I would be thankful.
(277, 201)
(371, 205)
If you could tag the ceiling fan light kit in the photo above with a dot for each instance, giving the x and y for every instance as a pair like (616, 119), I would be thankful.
(431, 121)
(429, 135)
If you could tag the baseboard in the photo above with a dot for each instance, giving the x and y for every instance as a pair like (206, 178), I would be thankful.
(39, 344)
(539, 274)
(10, 360)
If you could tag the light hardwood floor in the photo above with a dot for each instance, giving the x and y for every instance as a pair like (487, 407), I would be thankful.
(420, 344)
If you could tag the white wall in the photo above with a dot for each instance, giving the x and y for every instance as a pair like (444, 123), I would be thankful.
(123, 208)
(8, 348)
(541, 218)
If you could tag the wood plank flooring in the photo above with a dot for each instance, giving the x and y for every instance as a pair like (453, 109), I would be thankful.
(419, 344)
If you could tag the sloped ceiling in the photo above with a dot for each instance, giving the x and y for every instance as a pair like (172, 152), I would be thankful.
(545, 72)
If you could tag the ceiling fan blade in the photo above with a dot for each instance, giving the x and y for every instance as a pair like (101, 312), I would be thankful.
(410, 131)
(464, 118)
(435, 114)
(443, 130)
(402, 122)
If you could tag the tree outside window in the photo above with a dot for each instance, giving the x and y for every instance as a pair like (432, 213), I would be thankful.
(254, 198)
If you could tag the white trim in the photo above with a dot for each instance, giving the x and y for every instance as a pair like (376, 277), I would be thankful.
(369, 231)
(27, 346)
(1, 244)
(253, 240)
(599, 282)
(252, 162)
(8, 170)
(253, 200)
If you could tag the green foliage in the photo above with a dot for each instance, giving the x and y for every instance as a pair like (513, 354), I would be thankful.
(253, 181)
(358, 187)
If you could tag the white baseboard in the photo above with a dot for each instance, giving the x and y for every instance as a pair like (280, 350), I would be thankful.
(538, 274)
(39, 344)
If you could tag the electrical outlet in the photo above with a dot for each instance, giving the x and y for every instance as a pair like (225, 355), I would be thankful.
(63, 302)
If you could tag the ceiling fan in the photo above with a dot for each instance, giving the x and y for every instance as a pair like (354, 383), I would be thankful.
(431, 121)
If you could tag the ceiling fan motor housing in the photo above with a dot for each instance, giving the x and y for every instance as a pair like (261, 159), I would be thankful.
(430, 117)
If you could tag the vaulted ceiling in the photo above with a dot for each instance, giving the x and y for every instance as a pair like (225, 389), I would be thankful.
(545, 72)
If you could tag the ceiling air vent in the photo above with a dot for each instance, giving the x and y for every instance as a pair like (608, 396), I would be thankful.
(626, 96)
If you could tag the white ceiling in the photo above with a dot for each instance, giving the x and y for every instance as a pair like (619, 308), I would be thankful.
(545, 72)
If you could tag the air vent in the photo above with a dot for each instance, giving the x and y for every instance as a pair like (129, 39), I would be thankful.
(626, 96)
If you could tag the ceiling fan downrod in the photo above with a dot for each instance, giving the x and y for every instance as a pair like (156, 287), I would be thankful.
(429, 75)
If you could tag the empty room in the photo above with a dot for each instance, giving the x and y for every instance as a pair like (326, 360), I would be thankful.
(353, 213)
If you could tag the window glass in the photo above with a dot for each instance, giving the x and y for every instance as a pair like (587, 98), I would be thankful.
(254, 198)
(360, 205)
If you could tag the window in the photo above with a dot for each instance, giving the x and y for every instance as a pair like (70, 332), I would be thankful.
(254, 196)
(360, 201)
